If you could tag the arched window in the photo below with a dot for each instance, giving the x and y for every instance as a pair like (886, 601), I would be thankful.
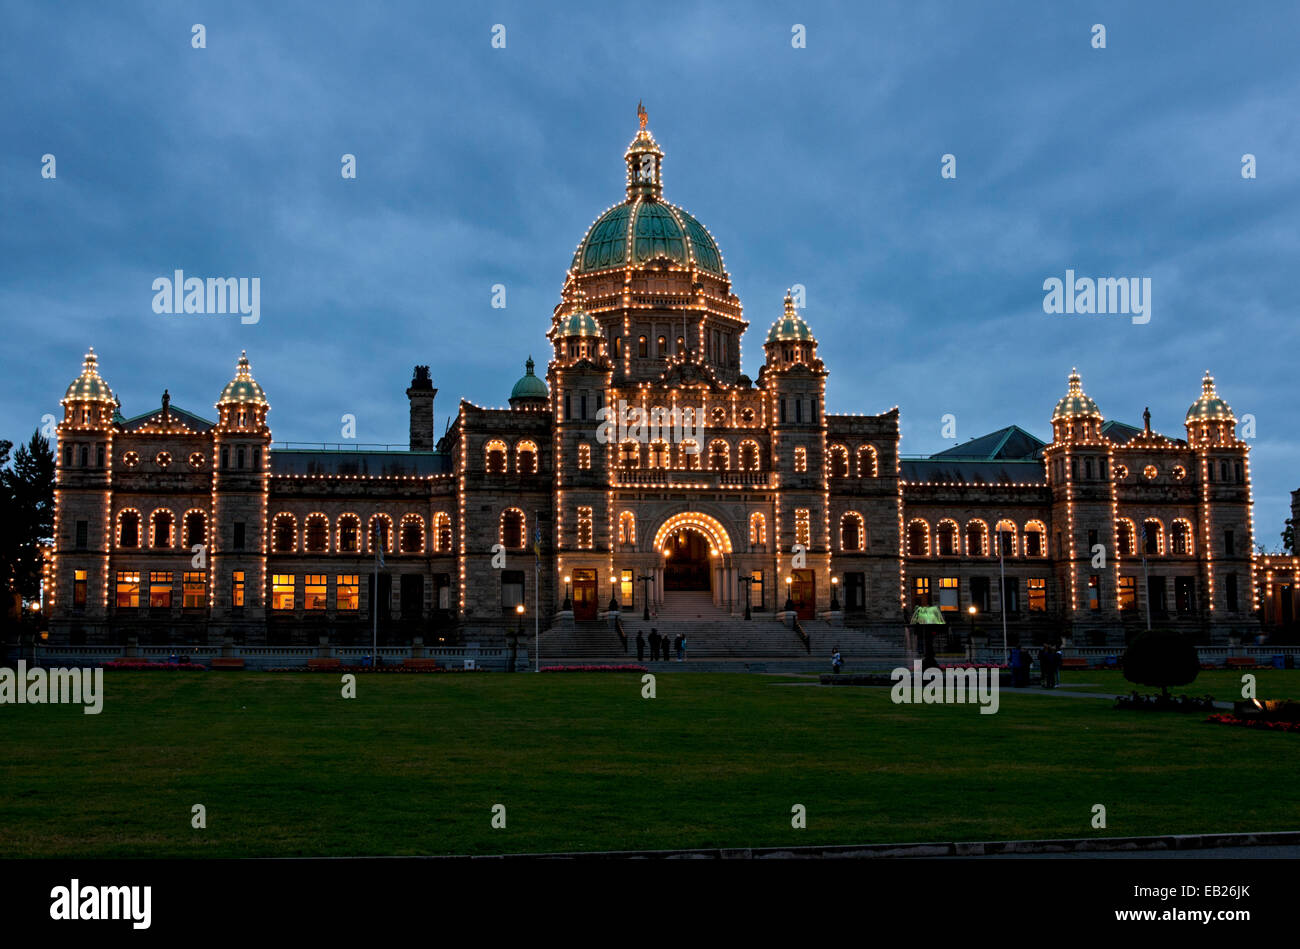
(512, 528)
(663, 346)
(867, 462)
(801, 458)
(380, 533)
(316, 533)
(758, 529)
(618, 347)
(1035, 541)
(627, 528)
(349, 541)
(681, 345)
(442, 532)
(1125, 537)
(629, 454)
(839, 461)
(1153, 536)
(584, 456)
(690, 455)
(851, 532)
(1180, 536)
(945, 535)
(526, 458)
(160, 529)
(802, 526)
(495, 456)
(128, 528)
(977, 538)
(284, 533)
(659, 454)
(1006, 534)
(642, 347)
(749, 455)
(412, 534)
(719, 455)
(918, 538)
(196, 528)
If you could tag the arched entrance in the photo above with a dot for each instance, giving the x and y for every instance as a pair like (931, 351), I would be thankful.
(692, 545)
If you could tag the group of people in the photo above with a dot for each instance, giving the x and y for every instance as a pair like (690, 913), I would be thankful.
(660, 646)
(1049, 666)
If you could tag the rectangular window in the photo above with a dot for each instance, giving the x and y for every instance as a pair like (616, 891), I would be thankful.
(1093, 540)
(79, 589)
(1229, 545)
(783, 409)
(1230, 592)
(802, 527)
(585, 539)
(412, 595)
(512, 589)
(627, 584)
(920, 591)
(237, 589)
(1094, 592)
(1037, 595)
(979, 593)
(194, 589)
(237, 542)
(1011, 594)
(160, 589)
(801, 459)
(1185, 594)
(798, 410)
(584, 456)
(1128, 593)
(949, 589)
(582, 405)
(83, 534)
(756, 590)
(1156, 595)
(314, 591)
(347, 592)
(128, 589)
(282, 591)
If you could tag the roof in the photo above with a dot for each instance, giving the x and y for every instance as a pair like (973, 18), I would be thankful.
(972, 471)
(370, 463)
(635, 233)
(185, 417)
(790, 326)
(1012, 442)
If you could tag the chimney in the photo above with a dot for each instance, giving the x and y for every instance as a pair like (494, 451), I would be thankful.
(421, 394)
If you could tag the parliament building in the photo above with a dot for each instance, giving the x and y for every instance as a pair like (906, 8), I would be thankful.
(175, 526)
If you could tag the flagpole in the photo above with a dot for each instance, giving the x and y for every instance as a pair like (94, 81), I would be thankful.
(1002, 596)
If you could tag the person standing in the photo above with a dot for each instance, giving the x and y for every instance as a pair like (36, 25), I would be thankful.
(654, 644)
(640, 646)
(683, 653)
(677, 644)
(836, 661)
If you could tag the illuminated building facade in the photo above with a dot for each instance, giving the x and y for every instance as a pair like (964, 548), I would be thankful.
(175, 528)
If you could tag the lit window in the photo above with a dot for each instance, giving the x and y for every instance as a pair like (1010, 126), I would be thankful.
(1037, 595)
(128, 589)
(160, 589)
(1127, 593)
(347, 592)
(349, 533)
(802, 530)
(921, 591)
(237, 589)
(442, 531)
(314, 591)
(1150, 472)
(801, 459)
(317, 534)
(526, 458)
(839, 461)
(584, 456)
(512, 528)
(584, 528)
(949, 589)
(79, 589)
(412, 534)
(496, 457)
(757, 529)
(282, 591)
(193, 590)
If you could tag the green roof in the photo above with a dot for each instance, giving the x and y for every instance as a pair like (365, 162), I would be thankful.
(529, 386)
(655, 229)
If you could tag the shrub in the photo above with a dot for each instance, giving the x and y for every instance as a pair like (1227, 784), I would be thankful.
(1161, 658)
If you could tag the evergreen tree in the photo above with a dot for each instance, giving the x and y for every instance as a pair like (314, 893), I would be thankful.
(27, 496)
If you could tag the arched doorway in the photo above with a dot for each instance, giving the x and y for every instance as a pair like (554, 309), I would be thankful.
(687, 564)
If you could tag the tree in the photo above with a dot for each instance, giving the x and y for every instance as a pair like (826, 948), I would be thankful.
(1288, 537)
(27, 518)
(1161, 657)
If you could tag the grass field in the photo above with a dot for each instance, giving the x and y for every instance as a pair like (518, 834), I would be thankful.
(413, 765)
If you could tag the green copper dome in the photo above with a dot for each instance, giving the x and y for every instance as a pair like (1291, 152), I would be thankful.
(242, 388)
(790, 326)
(1209, 406)
(1075, 404)
(89, 386)
(529, 386)
(652, 229)
(579, 323)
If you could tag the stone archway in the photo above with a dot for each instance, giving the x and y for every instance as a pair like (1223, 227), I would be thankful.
(694, 547)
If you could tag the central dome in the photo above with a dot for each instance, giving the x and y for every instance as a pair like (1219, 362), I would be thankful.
(645, 227)
(652, 229)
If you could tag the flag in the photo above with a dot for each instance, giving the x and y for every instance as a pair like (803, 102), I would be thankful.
(379, 554)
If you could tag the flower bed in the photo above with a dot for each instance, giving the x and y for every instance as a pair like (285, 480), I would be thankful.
(1225, 719)
(594, 669)
(141, 666)
(410, 670)
(1164, 703)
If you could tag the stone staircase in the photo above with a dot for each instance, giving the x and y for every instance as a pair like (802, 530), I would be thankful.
(713, 634)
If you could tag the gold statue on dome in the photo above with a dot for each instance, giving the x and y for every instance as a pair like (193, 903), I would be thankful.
(642, 115)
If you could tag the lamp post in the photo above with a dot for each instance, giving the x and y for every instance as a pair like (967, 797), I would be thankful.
(789, 603)
(749, 583)
(835, 599)
(514, 639)
(645, 596)
(613, 594)
(970, 640)
(568, 600)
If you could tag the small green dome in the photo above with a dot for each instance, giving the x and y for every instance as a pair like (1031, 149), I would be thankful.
(529, 386)
(1209, 407)
(89, 386)
(790, 326)
(1075, 404)
(242, 388)
(579, 323)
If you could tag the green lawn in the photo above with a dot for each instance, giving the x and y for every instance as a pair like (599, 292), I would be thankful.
(285, 766)
(1224, 685)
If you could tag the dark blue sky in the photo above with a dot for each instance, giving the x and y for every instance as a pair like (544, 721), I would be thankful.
(817, 166)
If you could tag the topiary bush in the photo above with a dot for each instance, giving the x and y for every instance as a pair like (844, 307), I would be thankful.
(1161, 657)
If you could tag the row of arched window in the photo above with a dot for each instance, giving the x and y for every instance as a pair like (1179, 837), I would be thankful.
(346, 535)
(159, 532)
(867, 462)
(949, 539)
(496, 455)
(1155, 540)
(687, 455)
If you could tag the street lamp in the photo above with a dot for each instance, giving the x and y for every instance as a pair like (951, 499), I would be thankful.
(835, 599)
(645, 596)
(749, 583)
(568, 599)
(970, 644)
(514, 638)
(789, 603)
(613, 594)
